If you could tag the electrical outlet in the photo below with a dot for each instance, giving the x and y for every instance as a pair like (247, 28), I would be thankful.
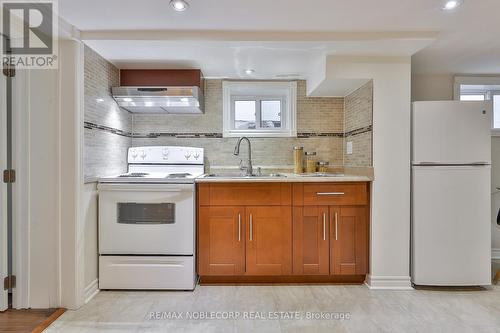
(349, 147)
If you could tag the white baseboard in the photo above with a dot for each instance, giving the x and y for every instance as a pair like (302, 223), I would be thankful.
(91, 290)
(495, 253)
(389, 282)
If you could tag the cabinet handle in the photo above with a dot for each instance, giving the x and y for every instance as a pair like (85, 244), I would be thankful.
(336, 226)
(324, 226)
(330, 193)
(239, 227)
(251, 228)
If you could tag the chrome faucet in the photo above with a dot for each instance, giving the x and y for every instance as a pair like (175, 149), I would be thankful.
(248, 169)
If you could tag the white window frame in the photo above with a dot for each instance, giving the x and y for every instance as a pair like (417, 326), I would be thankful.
(494, 131)
(285, 91)
(479, 80)
(482, 93)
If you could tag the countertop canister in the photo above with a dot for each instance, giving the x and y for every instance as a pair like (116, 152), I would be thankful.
(298, 160)
(311, 162)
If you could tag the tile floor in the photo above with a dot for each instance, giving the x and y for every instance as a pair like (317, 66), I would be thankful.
(368, 310)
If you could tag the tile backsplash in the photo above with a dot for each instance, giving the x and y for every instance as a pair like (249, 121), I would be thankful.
(319, 127)
(105, 151)
(358, 108)
(323, 124)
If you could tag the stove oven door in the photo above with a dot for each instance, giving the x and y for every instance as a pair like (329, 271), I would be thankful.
(146, 219)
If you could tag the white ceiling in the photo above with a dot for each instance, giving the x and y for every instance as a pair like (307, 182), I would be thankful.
(468, 42)
(229, 59)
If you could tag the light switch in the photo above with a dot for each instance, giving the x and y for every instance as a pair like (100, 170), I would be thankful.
(349, 147)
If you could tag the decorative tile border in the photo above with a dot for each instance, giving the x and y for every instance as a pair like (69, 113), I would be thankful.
(319, 135)
(89, 125)
(179, 135)
(358, 131)
(111, 130)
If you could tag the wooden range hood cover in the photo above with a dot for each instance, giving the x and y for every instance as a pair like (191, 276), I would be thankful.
(161, 77)
(177, 91)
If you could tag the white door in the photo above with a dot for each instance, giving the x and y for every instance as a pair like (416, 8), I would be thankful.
(451, 226)
(3, 193)
(451, 132)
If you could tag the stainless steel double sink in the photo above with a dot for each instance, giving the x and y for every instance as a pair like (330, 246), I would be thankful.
(236, 175)
(270, 175)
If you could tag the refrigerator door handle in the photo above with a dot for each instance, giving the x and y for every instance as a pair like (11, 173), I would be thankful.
(450, 164)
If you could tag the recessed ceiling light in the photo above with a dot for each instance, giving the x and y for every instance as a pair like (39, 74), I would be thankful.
(249, 71)
(179, 5)
(451, 4)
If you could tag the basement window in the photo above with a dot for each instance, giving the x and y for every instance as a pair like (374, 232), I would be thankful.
(259, 109)
(485, 88)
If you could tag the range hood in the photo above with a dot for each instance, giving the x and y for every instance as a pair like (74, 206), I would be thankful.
(172, 91)
(159, 99)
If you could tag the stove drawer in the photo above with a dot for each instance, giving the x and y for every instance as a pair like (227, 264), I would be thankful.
(129, 272)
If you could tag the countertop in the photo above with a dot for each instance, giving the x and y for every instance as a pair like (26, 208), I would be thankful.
(290, 178)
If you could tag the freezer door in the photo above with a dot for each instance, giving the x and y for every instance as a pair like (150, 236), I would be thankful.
(450, 132)
(451, 232)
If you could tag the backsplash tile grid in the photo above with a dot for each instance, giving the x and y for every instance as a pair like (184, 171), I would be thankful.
(107, 128)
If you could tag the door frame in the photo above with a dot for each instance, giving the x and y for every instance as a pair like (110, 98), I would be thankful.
(19, 205)
(4, 256)
(20, 189)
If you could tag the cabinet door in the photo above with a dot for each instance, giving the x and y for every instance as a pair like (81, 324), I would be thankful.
(311, 240)
(221, 241)
(269, 240)
(348, 232)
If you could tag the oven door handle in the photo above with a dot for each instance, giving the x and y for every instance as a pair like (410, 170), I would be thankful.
(168, 188)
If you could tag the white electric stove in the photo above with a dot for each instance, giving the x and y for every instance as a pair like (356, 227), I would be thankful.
(147, 220)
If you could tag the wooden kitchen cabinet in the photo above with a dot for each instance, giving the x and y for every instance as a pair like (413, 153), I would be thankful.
(348, 235)
(311, 240)
(244, 229)
(283, 232)
(329, 240)
(245, 240)
(345, 206)
(269, 240)
(221, 241)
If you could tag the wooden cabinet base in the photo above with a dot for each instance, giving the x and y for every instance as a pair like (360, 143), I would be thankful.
(286, 279)
(268, 233)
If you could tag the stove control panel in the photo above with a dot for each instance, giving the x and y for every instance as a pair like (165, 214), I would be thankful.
(165, 155)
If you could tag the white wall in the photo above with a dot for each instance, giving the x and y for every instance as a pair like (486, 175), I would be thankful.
(390, 220)
(91, 251)
(432, 87)
(72, 223)
(440, 87)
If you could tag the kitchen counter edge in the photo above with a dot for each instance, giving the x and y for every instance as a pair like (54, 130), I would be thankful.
(288, 179)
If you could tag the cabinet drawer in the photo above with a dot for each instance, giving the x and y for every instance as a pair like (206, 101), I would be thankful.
(335, 194)
(237, 194)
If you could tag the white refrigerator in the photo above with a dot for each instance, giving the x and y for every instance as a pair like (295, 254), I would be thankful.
(451, 193)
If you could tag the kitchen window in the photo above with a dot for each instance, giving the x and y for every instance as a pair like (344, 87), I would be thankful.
(472, 97)
(481, 89)
(259, 109)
